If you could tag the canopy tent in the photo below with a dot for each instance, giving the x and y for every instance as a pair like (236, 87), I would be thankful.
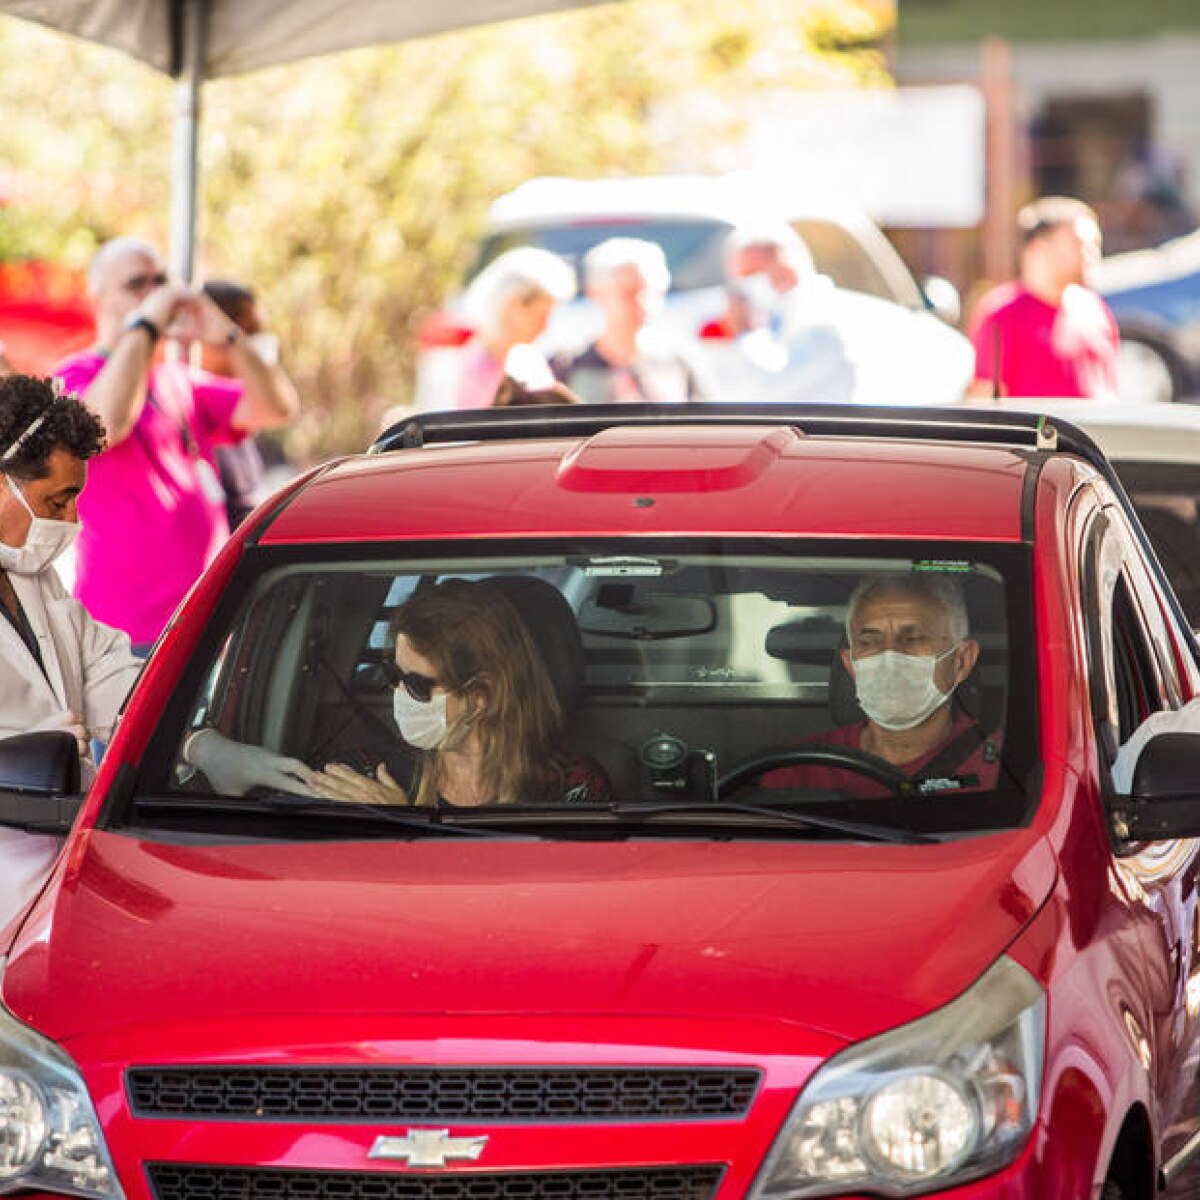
(194, 40)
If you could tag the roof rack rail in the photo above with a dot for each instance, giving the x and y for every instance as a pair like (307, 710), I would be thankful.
(983, 425)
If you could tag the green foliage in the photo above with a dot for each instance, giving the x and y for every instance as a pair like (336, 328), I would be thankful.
(350, 190)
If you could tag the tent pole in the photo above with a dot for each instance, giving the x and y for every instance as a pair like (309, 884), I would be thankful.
(185, 139)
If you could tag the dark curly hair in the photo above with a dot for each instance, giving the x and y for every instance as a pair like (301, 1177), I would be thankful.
(67, 425)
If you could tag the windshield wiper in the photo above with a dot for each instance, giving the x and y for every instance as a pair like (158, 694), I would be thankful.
(427, 821)
(524, 821)
(852, 829)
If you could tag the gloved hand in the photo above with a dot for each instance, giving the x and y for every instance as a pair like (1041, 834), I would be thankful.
(233, 768)
(71, 722)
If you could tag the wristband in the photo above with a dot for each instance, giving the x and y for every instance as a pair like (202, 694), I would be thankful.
(138, 321)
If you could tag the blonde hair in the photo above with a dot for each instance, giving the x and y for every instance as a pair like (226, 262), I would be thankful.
(523, 271)
(476, 642)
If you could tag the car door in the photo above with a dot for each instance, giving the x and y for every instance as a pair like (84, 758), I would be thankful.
(1134, 660)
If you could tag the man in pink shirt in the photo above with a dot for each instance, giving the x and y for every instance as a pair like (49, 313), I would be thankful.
(154, 513)
(1047, 333)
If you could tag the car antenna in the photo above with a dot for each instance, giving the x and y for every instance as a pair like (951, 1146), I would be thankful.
(995, 362)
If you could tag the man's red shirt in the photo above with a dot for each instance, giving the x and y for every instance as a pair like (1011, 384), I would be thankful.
(981, 763)
(1037, 349)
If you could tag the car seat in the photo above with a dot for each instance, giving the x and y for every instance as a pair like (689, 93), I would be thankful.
(546, 614)
(552, 626)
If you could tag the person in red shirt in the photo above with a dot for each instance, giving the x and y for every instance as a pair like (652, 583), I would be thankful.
(1047, 333)
(909, 650)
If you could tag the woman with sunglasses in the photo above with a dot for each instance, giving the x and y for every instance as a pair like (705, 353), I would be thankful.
(474, 700)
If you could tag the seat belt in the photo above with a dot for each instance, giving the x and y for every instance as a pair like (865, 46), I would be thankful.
(940, 769)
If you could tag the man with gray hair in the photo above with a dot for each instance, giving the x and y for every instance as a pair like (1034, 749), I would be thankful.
(154, 486)
(628, 280)
(908, 649)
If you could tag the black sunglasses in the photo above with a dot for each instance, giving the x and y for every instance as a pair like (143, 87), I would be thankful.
(143, 283)
(419, 687)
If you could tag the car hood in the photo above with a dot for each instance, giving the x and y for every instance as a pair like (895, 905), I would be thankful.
(844, 939)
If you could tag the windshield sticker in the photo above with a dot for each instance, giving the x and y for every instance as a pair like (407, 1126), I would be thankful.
(952, 566)
(616, 568)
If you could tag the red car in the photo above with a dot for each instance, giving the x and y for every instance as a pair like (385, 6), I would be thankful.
(768, 963)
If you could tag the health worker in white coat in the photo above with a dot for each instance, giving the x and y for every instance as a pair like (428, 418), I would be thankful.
(59, 669)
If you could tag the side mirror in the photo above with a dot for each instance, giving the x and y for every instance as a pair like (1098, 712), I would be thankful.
(1164, 800)
(39, 781)
(943, 299)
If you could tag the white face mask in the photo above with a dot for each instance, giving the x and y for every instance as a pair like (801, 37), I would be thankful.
(897, 691)
(44, 542)
(421, 724)
(765, 302)
(424, 724)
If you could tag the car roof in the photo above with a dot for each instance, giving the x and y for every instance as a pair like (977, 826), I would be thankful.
(734, 199)
(720, 479)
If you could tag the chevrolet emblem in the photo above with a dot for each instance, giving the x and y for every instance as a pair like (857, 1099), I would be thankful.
(427, 1147)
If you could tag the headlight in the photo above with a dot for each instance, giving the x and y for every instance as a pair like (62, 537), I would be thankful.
(50, 1139)
(946, 1099)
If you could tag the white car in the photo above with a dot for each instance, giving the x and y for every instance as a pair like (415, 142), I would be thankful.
(901, 350)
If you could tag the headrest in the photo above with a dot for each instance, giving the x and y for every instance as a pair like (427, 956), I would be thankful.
(547, 616)
(810, 640)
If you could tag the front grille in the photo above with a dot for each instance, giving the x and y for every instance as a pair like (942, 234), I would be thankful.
(439, 1094)
(173, 1182)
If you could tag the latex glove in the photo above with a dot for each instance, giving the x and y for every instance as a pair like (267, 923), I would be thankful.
(71, 722)
(233, 768)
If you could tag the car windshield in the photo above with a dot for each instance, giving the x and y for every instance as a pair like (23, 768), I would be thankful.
(694, 251)
(694, 248)
(697, 677)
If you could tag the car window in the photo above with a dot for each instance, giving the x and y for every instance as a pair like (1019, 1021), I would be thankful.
(1161, 634)
(695, 251)
(1165, 497)
(841, 256)
(1128, 684)
(729, 652)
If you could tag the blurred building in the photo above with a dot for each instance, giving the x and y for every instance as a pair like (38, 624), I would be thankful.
(1094, 98)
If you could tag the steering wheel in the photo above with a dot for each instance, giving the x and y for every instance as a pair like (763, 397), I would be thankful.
(814, 755)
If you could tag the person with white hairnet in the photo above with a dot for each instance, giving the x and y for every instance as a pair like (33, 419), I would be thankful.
(783, 318)
(628, 280)
(510, 302)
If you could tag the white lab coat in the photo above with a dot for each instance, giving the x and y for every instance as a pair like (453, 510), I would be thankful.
(89, 669)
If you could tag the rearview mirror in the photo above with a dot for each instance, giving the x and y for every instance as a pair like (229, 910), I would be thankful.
(624, 610)
(943, 299)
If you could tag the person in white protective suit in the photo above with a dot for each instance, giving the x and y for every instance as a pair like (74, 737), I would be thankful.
(59, 668)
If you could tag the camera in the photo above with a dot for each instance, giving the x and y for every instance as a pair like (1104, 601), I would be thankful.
(671, 770)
